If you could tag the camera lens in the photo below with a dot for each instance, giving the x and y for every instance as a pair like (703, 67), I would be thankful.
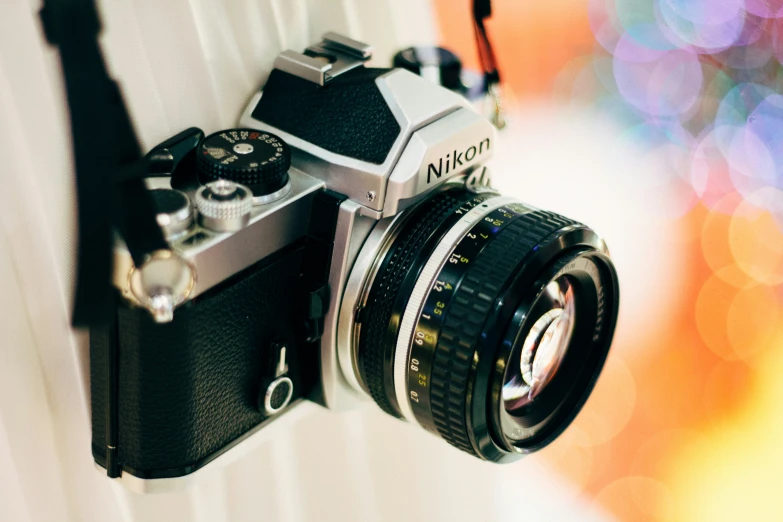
(481, 319)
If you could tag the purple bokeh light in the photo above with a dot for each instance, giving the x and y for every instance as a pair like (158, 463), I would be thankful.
(740, 102)
(714, 26)
(765, 8)
(709, 168)
(711, 67)
(766, 123)
(659, 83)
(751, 164)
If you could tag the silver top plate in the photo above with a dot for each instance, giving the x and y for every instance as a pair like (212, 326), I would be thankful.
(216, 256)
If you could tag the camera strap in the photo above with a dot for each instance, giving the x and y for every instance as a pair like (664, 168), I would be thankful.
(108, 163)
(482, 9)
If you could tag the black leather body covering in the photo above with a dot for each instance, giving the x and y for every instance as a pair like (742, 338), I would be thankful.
(348, 116)
(188, 388)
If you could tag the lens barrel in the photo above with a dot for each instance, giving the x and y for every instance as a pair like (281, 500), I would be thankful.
(486, 322)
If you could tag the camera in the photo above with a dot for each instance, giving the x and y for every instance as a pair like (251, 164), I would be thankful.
(344, 244)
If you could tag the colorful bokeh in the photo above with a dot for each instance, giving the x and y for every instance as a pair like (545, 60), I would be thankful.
(687, 425)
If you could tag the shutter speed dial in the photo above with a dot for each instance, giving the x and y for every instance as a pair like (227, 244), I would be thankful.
(256, 159)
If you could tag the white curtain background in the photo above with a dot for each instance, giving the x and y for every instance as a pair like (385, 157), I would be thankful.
(185, 63)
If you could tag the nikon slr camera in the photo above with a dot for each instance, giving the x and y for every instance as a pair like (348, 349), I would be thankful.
(344, 243)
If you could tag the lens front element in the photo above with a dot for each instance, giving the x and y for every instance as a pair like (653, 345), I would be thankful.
(544, 347)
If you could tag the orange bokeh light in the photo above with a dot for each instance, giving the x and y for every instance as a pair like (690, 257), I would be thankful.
(712, 313)
(715, 245)
(638, 499)
(756, 241)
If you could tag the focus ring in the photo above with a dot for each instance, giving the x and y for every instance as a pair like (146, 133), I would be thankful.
(467, 314)
(378, 310)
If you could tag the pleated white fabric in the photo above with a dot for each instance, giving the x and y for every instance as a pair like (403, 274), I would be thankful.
(188, 63)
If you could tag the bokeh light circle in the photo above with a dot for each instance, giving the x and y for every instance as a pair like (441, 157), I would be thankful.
(712, 313)
(716, 85)
(707, 25)
(640, 499)
(710, 173)
(665, 85)
(571, 457)
(726, 388)
(706, 11)
(756, 30)
(753, 319)
(765, 8)
(587, 80)
(602, 69)
(756, 242)
(610, 406)
(766, 125)
(740, 102)
(641, 22)
(751, 165)
(650, 457)
(715, 241)
(628, 49)
(752, 49)
(604, 23)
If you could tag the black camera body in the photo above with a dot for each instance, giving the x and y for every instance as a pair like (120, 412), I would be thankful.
(344, 244)
(189, 388)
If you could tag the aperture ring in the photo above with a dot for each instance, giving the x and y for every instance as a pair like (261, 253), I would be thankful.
(431, 310)
(424, 227)
(467, 313)
(422, 289)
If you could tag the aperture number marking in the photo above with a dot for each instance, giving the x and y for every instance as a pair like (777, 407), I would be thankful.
(434, 309)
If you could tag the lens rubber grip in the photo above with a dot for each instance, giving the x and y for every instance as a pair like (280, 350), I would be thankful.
(380, 307)
(467, 314)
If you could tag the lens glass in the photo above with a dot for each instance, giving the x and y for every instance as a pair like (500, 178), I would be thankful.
(545, 345)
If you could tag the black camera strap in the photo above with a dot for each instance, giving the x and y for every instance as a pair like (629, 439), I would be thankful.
(483, 9)
(107, 159)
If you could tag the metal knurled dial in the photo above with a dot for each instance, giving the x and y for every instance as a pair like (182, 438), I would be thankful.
(224, 206)
(256, 159)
